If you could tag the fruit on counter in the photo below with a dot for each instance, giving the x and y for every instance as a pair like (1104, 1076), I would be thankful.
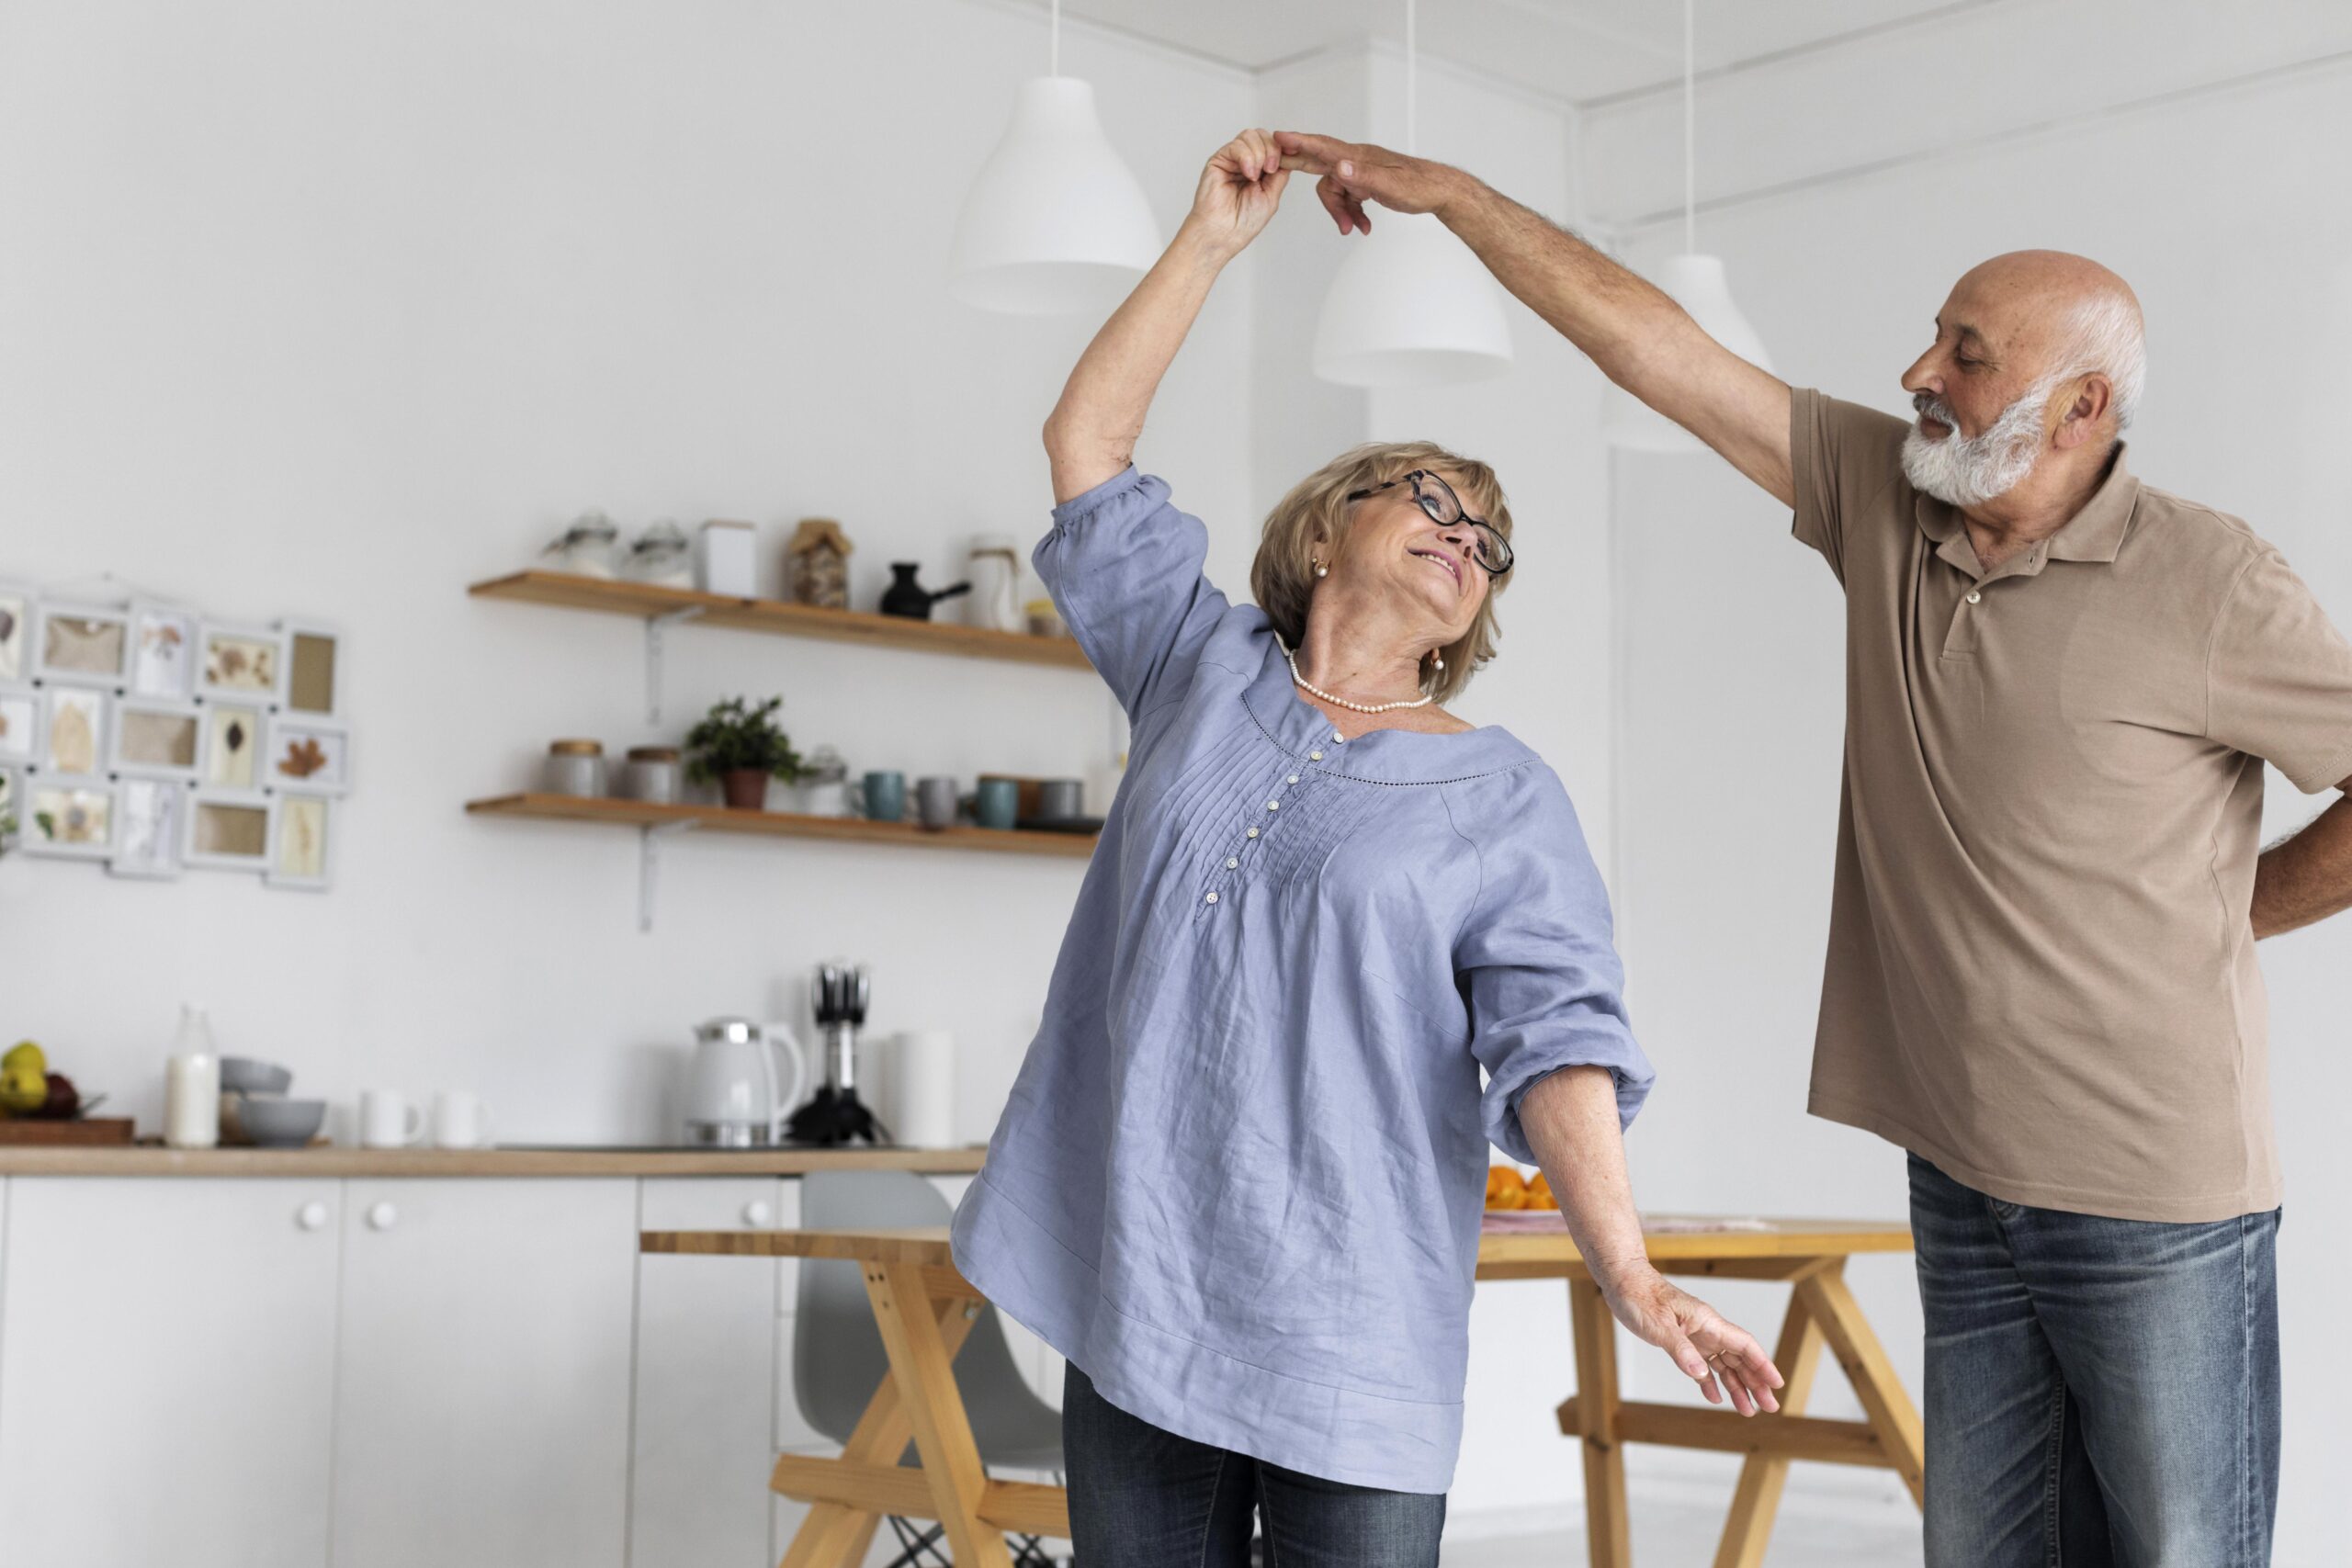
(1506, 1189)
(24, 1080)
(1538, 1194)
(64, 1101)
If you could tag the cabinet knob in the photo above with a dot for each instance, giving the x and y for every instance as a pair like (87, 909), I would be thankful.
(382, 1216)
(758, 1214)
(311, 1215)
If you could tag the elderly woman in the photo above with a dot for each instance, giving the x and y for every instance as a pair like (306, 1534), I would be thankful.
(1239, 1181)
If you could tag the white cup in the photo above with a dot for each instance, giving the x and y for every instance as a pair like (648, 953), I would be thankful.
(460, 1121)
(387, 1121)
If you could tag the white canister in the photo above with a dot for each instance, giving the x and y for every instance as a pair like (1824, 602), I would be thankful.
(994, 572)
(923, 1088)
(724, 559)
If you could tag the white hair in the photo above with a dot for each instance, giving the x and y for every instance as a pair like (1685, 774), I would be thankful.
(2105, 337)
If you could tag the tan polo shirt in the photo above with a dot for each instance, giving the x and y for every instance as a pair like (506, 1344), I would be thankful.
(2041, 976)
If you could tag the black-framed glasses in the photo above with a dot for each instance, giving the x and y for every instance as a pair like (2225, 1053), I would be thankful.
(1436, 497)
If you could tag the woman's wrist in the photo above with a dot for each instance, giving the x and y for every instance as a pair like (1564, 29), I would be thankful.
(1196, 244)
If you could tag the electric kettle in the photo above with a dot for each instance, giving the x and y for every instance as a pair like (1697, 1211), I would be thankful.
(734, 1098)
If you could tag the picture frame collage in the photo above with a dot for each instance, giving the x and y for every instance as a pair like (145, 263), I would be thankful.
(152, 739)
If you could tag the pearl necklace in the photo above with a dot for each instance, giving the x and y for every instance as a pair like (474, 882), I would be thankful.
(1301, 683)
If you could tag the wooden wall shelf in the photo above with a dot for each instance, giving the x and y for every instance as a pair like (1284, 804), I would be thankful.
(780, 824)
(648, 602)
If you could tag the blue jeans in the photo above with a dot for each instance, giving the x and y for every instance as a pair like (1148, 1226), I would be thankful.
(2099, 1391)
(1141, 1497)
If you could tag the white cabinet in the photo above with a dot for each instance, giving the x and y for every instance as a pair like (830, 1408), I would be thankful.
(482, 1380)
(166, 1371)
(706, 1382)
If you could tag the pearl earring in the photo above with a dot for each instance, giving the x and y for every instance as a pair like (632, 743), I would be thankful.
(1437, 659)
(1320, 569)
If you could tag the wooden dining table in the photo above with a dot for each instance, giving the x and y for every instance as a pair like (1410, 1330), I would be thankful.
(924, 1308)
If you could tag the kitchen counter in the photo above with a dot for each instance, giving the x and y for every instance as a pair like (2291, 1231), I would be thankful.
(582, 1160)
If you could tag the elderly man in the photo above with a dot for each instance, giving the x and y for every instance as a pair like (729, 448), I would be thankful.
(2062, 685)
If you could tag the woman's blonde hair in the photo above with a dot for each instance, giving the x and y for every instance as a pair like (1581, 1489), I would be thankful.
(1283, 577)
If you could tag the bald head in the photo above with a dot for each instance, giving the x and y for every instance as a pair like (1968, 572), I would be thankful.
(2050, 316)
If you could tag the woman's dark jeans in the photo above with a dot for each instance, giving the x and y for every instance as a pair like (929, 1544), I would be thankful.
(1143, 1497)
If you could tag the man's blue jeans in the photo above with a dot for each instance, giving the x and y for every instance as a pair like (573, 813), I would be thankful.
(1140, 1496)
(2099, 1391)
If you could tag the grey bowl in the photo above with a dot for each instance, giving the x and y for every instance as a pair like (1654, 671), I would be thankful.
(281, 1123)
(244, 1075)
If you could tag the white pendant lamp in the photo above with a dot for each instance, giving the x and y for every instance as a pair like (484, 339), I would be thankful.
(1411, 306)
(1055, 223)
(1695, 282)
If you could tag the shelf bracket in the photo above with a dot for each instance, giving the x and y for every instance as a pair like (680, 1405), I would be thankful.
(648, 865)
(654, 628)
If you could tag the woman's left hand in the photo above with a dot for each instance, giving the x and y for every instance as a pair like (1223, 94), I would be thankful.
(1238, 191)
(1721, 1356)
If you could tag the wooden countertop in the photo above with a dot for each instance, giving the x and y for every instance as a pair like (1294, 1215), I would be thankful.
(147, 1160)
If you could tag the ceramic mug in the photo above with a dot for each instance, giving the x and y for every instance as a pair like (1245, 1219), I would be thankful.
(460, 1121)
(935, 800)
(885, 797)
(995, 802)
(387, 1121)
(1060, 798)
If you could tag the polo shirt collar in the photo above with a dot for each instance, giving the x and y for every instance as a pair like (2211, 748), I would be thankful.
(2094, 534)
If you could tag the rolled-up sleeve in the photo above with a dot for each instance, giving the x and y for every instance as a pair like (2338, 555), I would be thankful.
(1125, 569)
(1539, 967)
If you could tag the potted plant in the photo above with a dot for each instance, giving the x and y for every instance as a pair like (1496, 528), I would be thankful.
(740, 746)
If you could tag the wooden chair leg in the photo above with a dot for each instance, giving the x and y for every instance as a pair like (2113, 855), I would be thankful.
(920, 1364)
(1606, 1529)
(1892, 1415)
(835, 1534)
(1758, 1498)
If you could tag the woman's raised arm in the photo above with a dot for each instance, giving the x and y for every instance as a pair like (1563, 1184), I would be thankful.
(1092, 433)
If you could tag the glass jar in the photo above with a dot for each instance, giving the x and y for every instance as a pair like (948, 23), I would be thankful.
(650, 774)
(588, 548)
(575, 767)
(663, 556)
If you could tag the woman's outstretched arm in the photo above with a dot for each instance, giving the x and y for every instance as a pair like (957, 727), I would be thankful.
(1571, 1122)
(1092, 433)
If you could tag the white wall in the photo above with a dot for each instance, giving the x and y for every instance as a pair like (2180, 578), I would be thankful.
(331, 311)
(2222, 210)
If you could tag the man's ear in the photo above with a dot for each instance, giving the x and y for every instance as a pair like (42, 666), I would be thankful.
(2085, 411)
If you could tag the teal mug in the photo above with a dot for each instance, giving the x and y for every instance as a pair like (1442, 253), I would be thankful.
(885, 797)
(995, 802)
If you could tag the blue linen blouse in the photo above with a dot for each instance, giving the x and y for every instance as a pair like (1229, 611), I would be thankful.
(1239, 1176)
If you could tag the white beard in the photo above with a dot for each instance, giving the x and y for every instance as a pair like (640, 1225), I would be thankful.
(1971, 470)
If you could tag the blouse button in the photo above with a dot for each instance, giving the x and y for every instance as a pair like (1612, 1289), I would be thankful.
(1273, 805)
(1231, 863)
(1294, 778)
(1337, 738)
(1211, 898)
(1315, 756)
(1974, 595)
(1253, 833)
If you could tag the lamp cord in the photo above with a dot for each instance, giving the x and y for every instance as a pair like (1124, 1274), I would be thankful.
(1412, 85)
(1690, 135)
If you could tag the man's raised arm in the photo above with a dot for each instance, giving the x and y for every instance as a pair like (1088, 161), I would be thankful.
(1640, 339)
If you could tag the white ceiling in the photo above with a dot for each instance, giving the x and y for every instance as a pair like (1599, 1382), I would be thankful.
(1573, 50)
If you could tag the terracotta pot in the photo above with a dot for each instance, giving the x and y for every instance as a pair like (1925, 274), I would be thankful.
(746, 789)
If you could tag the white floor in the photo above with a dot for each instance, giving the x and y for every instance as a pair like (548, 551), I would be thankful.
(1677, 1535)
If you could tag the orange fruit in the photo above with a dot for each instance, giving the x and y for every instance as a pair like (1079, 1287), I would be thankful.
(1538, 1194)
(1505, 1188)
